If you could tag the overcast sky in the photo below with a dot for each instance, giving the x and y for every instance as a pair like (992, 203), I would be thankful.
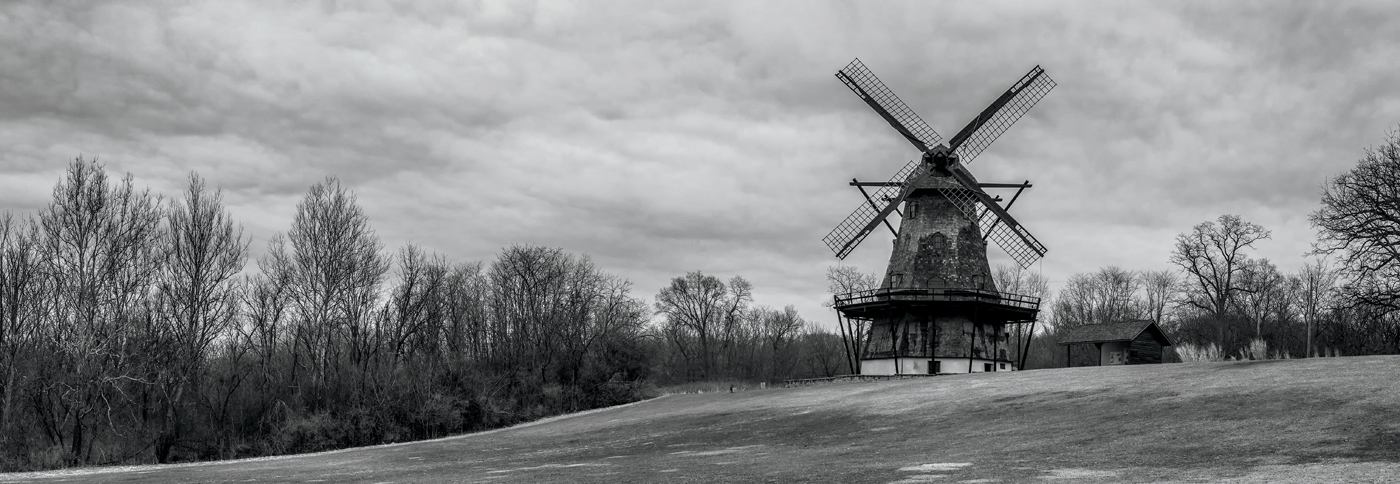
(702, 136)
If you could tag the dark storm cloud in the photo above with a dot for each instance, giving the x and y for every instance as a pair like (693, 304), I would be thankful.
(701, 136)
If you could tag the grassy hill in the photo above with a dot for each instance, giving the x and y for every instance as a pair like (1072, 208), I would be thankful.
(1315, 420)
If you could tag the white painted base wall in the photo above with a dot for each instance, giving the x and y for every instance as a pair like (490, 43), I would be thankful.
(920, 366)
(886, 366)
(979, 365)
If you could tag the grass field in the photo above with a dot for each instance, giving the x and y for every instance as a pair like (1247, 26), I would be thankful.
(1315, 420)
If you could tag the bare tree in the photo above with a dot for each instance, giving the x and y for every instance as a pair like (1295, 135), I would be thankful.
(693, 305)
(823, 352)
(99, 249)
(266, 302)
(418, 304)
(613, 317)
(197, 296)
(1106, 296)
(467, 332)
(336, 268)
(551, 315)
(593, 307)
(704, 308)
(529, 287)
(1014, 279)
(1161, 291)
(1360, 220)
(1213, 257)
(1263, 289)
(21, 293)
(845, 280)
(736, 320)
(1317, 283)
(779, 328)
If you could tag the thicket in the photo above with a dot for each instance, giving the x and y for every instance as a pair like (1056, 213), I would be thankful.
(134, 328)
(708, 329)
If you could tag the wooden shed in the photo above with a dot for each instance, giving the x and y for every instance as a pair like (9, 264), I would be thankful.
(1134, 342)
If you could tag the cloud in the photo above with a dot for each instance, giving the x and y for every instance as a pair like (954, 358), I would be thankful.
(710, 136)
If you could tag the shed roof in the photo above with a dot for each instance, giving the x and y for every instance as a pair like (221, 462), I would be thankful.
(1121, 331)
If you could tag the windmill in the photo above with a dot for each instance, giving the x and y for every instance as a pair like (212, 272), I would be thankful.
(937, 310)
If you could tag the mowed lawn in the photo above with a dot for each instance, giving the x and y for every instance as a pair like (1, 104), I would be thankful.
(1315, 420)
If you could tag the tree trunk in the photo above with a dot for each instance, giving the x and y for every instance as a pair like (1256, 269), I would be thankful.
(1308, 353)
(77, 444)
(9, 398)
(704, 356)
(170, 428)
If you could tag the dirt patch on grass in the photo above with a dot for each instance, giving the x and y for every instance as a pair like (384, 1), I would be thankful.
(1381, 443)
(1241, 365)
(1078, 474)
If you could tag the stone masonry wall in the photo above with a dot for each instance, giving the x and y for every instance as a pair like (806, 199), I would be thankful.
(938, 246)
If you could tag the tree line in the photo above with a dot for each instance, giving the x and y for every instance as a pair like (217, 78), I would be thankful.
(1219, 301)
(710, 330)
(134, 328)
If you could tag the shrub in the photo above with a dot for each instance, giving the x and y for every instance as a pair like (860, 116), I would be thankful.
(1191, 353)
(1256, 350)
(313, 433)
(440, 415)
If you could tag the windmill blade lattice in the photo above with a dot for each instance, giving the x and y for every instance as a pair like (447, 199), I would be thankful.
(989, 125)
(846, 236)
(1023, 248)
(864, 83)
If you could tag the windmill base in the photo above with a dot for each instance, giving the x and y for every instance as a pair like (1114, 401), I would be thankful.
(932, 366)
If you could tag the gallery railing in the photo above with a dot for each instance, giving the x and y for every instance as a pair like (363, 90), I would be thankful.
(929, 295)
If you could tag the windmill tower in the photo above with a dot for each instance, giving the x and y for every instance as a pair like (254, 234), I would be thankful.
(937, 310)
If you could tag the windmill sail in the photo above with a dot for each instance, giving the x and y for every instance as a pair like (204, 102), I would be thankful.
(1001, 114)
(996, 223)
(1015, 240)
(889, 106)
(846, 236)
(993, 221)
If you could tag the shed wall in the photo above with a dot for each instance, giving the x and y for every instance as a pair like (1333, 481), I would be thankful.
(1144, 350)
